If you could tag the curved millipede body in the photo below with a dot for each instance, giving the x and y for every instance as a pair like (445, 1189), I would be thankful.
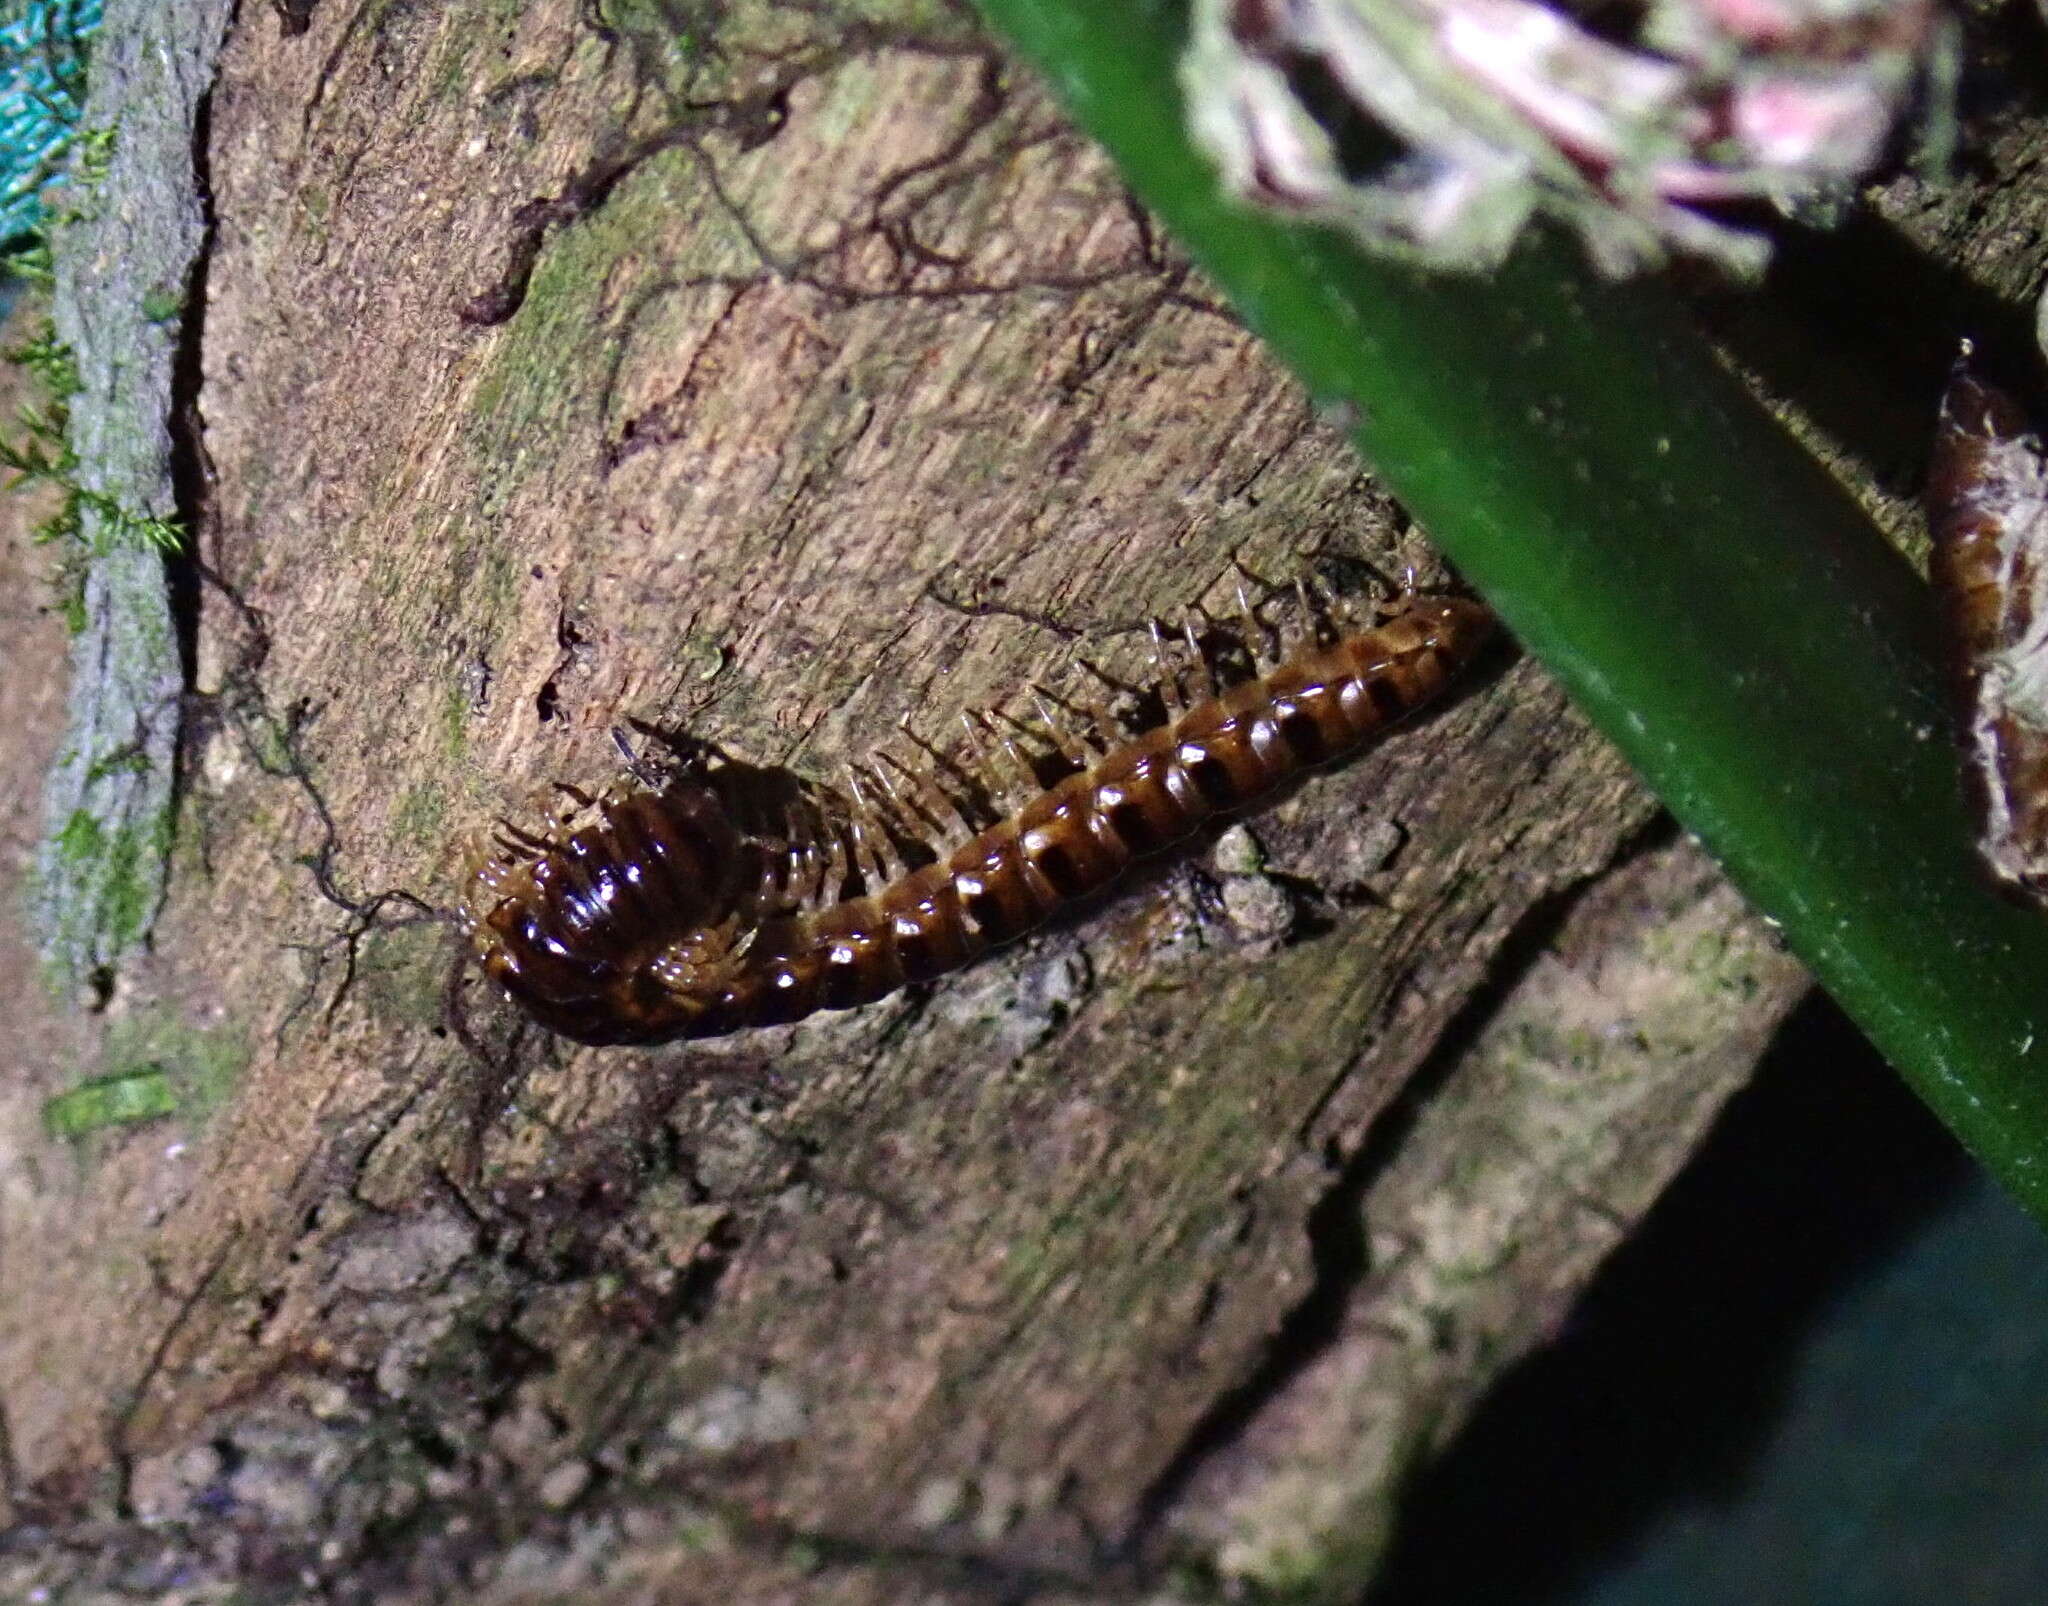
(1987, 511)
(675, 915)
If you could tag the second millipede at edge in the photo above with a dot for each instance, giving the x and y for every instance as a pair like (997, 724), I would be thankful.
(670, 919)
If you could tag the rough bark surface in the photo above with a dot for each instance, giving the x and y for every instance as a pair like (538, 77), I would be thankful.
(778, 374)
(122, 273)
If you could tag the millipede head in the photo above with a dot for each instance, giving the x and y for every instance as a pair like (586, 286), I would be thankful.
(1459, 626)
(569, 924)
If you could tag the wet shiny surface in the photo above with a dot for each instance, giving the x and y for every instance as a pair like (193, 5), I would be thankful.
(648, 927)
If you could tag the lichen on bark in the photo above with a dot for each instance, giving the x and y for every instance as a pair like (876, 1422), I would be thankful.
(122, 256)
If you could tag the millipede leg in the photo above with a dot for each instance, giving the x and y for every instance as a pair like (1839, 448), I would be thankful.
(637, 764)
(1205, 671)
(816, 841)
(1259, 644)
(1073, 749)
(805, 877)
(979, 727)
(1065, 747)
(771, 892)
(522, 841)
(879, 848)
(927, 805)
(1400, 594)
(1322, 631)
(900, 815)
(1166, 673)
(982, 772)
(929, 784)
(1102, 731)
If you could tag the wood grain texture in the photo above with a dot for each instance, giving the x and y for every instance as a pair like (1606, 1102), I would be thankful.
(845, 385)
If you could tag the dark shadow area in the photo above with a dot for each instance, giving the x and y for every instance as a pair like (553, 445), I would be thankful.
(1859, 327)
(1858, 324)
(1673, 1373)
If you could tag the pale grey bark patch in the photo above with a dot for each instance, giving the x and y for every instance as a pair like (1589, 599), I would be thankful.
(123, 257)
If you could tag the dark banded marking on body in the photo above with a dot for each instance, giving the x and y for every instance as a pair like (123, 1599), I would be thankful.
(670, 919)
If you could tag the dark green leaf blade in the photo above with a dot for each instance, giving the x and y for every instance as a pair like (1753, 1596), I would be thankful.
(1715, 602)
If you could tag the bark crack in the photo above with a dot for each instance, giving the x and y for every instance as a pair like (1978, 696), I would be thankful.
(1336, 1231)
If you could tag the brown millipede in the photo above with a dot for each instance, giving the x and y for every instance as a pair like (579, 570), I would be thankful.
(692, 910)
(1987, 511)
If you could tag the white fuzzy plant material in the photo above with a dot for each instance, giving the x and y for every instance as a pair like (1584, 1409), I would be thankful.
(1987, 511)
(1498, 111)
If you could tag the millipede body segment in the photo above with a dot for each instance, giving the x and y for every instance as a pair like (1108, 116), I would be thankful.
(680, 913)
(1987, 511)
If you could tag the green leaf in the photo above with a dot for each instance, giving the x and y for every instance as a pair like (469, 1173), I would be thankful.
(1714, 601)
(124, 1099)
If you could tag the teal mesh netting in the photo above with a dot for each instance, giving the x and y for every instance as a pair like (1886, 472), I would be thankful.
(42, 87)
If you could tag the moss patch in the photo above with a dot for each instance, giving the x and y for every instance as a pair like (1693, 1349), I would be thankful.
(156, 1065)
(422, 813)
(115, 870)
(403, 973)
(200, 1065)
(126, 1098)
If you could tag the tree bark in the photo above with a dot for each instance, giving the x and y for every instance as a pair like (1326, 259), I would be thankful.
(779, 377)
